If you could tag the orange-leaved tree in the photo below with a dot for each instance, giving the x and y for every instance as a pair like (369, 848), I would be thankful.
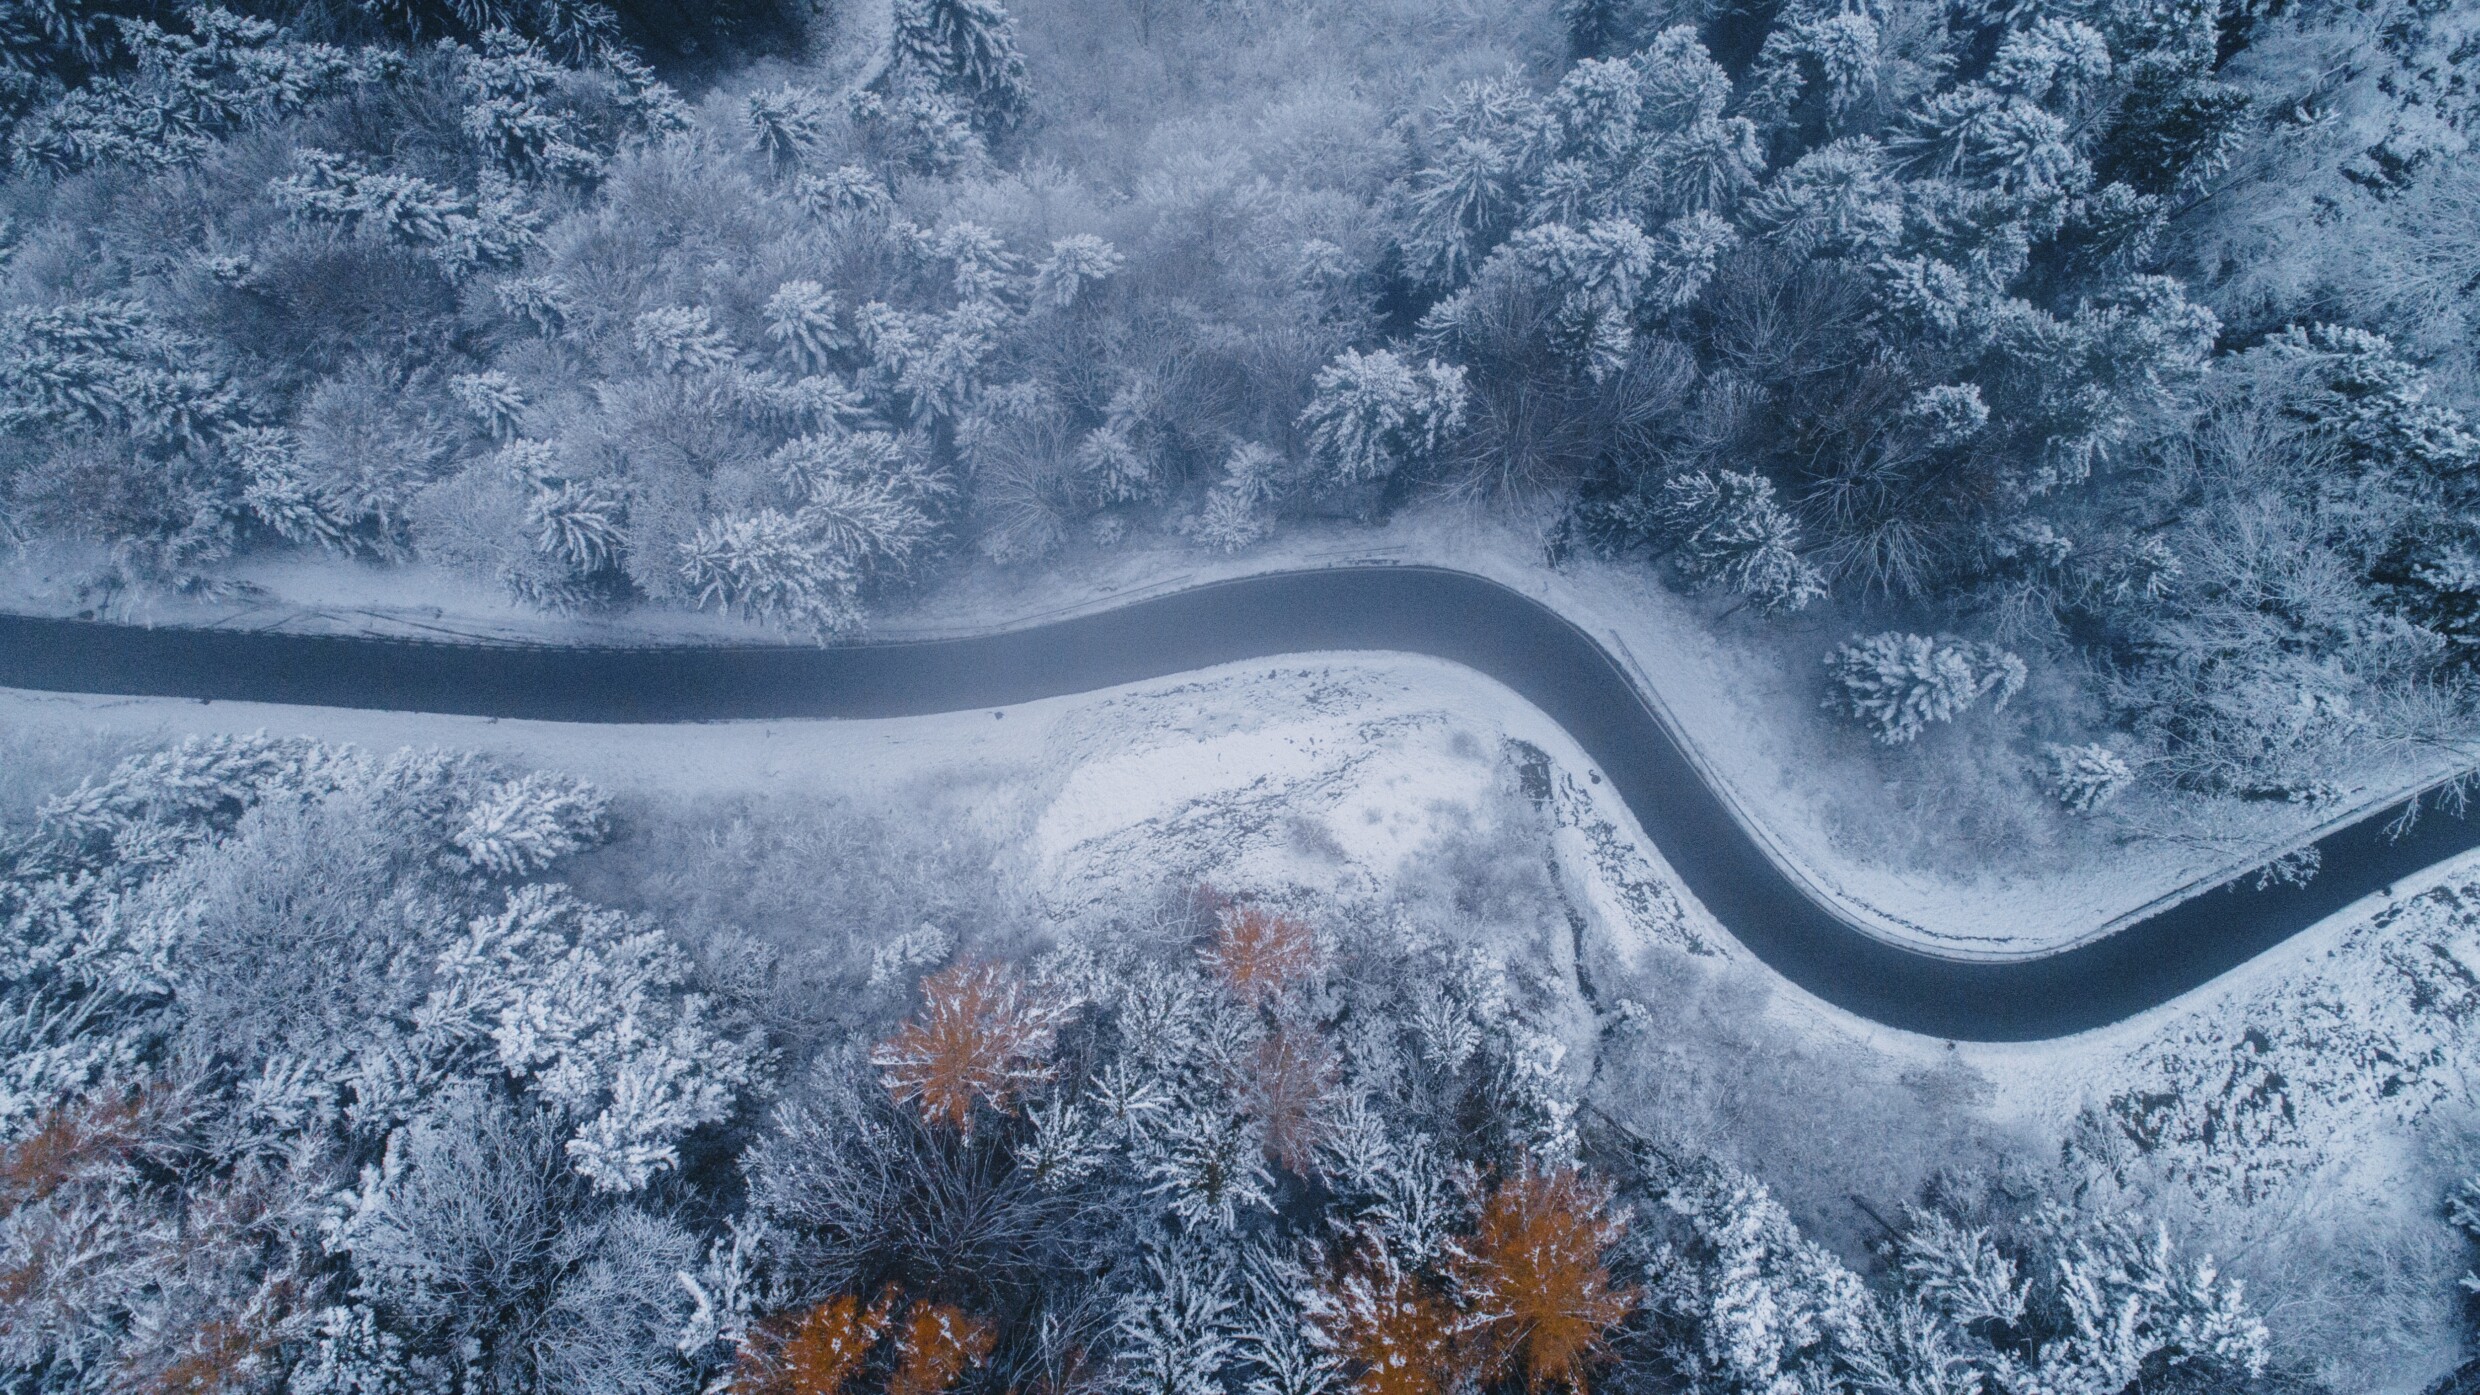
(1538, 1298)
(1259, 954)
(75, 1140)
(222, 1354)
(981, 1036)
(815, 1352)
(936, 1345)
(1393, 1332)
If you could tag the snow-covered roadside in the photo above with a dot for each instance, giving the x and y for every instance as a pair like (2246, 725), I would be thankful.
(1746, 710)
(1338, 779)
(1318, 776)
(1321, 778)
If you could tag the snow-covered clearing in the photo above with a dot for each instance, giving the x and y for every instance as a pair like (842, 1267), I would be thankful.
(1318, 779)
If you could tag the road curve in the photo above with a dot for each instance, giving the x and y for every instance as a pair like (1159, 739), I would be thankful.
(1445, 614)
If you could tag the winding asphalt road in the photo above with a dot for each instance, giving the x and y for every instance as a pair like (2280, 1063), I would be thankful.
(1445, 614)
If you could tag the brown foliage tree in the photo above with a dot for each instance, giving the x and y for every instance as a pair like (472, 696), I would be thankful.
(937, 1345)
(77, 1140)
(1538, 1299)
(221, 1355)
(980, 1037)
(817, 1352)
(1395, 1333)
(1259, 954)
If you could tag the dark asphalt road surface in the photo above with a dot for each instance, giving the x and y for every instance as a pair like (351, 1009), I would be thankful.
(1444, 614)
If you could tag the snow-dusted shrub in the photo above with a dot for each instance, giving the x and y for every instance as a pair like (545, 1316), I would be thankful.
(1374, 413)
(522, 826)
(586, 1006)
(1900, 683)
(1725, 527)
(2088, 776)
(2070, 1301)
(772, 566)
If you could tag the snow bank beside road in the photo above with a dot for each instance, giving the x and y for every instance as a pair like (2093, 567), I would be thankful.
(1320, 777)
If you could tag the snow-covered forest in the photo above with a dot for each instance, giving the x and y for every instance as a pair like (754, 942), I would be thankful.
(2119, 347)
(2074, 396)
(318, 1077)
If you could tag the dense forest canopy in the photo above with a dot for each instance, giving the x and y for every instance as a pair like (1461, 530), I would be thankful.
(313, 1078)
(2108, 355)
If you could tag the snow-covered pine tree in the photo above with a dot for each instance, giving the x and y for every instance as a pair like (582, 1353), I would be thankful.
(682, 340)
(492, 398)
(1234, 514)
(2359, 387)
(1270, 1334)
(1207, 1163)
(109, 363)
(516, 114)
(1173, 1331)
(2087, 776)
(1898, 684)
(770, 566)
(519, 827)
(787, 125)
(1838, 200)
(1074, 263)
(1374, 414)
(1768, 1309)
(184, 91)
(1725, 527)
(589, 1008)
(800, 318)
(1596, 278)
(867, 497)
(580, 522)
(463, 234)
(965, 47)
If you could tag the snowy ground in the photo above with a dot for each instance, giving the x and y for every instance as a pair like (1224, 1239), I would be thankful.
(1829, 806)
(1344, 779)
(1322, 779)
